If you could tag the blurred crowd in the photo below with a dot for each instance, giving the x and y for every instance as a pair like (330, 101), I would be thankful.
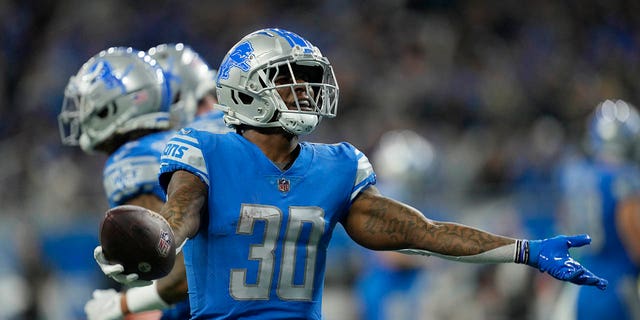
(501, 90)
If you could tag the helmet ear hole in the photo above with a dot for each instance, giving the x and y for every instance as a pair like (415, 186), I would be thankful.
(104, 112)
(245, 98)
(107, 110)
(233, 95)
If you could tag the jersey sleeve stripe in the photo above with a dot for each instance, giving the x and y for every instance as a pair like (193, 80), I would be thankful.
(133, 161)
(365, 169)
(364, 175)
(361, 186)
(186, 139)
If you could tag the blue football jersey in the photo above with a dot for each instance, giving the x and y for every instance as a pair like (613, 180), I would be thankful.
(592, 193)
(132, 170)
(261, 248)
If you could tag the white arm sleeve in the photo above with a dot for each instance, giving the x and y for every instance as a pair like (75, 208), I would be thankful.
(504, 254)
(144, 299)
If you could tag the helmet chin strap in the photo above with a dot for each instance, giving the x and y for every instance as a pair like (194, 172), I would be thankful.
(298, 124)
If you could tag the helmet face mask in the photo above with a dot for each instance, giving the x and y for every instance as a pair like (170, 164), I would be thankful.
(189, 77)
(249, 92)
(69, 117)
(118, 91)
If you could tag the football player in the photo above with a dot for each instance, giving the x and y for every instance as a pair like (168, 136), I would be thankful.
(133, 133)
(600, 196)
(258, 206)
(119, 104)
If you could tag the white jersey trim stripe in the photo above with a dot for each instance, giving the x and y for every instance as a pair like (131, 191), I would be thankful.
(128, 161)
(186, 138)
(364, 171)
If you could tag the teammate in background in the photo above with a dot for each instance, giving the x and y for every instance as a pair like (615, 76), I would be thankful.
(118, 104)
(130, 175)
(600, 196)
(258, 207)
(192, 84)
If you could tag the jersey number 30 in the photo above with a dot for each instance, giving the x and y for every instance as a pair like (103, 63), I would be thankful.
(265, 252)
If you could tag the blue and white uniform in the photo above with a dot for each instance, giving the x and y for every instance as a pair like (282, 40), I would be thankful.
(132, 170)
(261, 247)
(592, 192)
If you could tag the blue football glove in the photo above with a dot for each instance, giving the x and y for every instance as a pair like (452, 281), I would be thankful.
(552, 256)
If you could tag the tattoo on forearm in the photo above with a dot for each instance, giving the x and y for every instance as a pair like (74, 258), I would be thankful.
(185, 198)
(404, 227)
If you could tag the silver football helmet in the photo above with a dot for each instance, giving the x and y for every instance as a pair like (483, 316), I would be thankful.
(189, 77)
(247, 91)
(614, 131)
(117, 91)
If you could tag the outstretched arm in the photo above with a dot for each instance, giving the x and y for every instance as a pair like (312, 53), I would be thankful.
(380, 223)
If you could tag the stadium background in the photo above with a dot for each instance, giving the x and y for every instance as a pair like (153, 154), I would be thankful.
(500, 88)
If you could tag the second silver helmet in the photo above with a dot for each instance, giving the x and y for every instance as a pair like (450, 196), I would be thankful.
(189, 77)
(117, 91)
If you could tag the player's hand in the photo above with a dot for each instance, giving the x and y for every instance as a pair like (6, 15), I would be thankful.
(104, 305)
(552, 256)
(114, 271)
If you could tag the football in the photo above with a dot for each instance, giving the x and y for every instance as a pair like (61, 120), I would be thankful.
(139, 239)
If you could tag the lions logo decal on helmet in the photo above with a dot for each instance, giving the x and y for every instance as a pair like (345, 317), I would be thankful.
(102, 70)
(238, 58)
(294, 39)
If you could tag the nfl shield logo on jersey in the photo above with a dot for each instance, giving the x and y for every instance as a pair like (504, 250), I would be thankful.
(284, 185)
